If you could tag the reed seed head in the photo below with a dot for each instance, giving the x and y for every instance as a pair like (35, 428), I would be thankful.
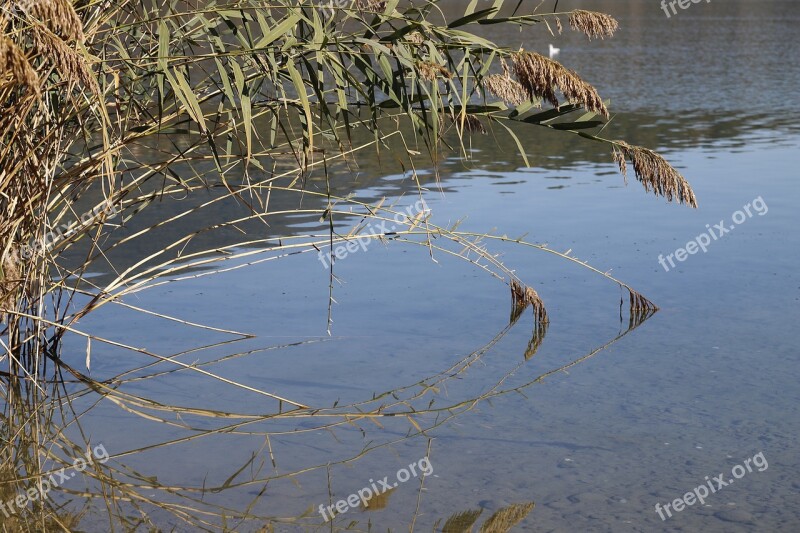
(541, 77)
(70, 64)
(15, 65)
(506, 88)
(430, 71)
(59, 16)
(523, 296)
(593, 24)
(654, 173)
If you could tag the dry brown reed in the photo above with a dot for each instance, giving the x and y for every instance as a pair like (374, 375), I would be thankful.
(70, 63)
(60, 17)
(541, 77)
(523, 296)
(472, 124)
(593, 24)
(15, 65)
(506, 88)
(431, 71)
(654, 172)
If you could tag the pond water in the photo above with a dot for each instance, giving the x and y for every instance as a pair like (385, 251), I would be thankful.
(707, 383)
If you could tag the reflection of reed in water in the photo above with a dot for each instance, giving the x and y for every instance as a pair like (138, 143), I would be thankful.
(36, 457)
(36, 429)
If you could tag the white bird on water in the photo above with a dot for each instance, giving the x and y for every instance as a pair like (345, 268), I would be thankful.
(554, 51)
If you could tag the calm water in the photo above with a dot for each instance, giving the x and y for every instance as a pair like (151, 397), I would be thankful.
(708, 382)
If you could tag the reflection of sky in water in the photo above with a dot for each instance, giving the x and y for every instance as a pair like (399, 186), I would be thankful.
(706, 383)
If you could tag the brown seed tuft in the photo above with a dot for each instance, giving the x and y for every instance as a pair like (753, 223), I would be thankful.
(59, 16)
(654, 172)
(523, 296)
(70, 64)
(541, 77)
(505, 88)
(14, 63)
(593, 24)
(430, 71)
(473, 125)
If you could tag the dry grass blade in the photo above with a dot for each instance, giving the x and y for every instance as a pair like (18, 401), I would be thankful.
(654, 172)
(541, 77)
(506, 518)
(592, 23)
(372, 5)
(378, 501)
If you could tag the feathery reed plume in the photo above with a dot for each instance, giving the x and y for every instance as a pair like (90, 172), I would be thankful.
(593, 24)
(60, 17)
(522, 297)
(505, 87)
(13, 62)
(506, 518)
(654, 172)
(70, 64)
(430, 71)
(541, 77)
(472, 124)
